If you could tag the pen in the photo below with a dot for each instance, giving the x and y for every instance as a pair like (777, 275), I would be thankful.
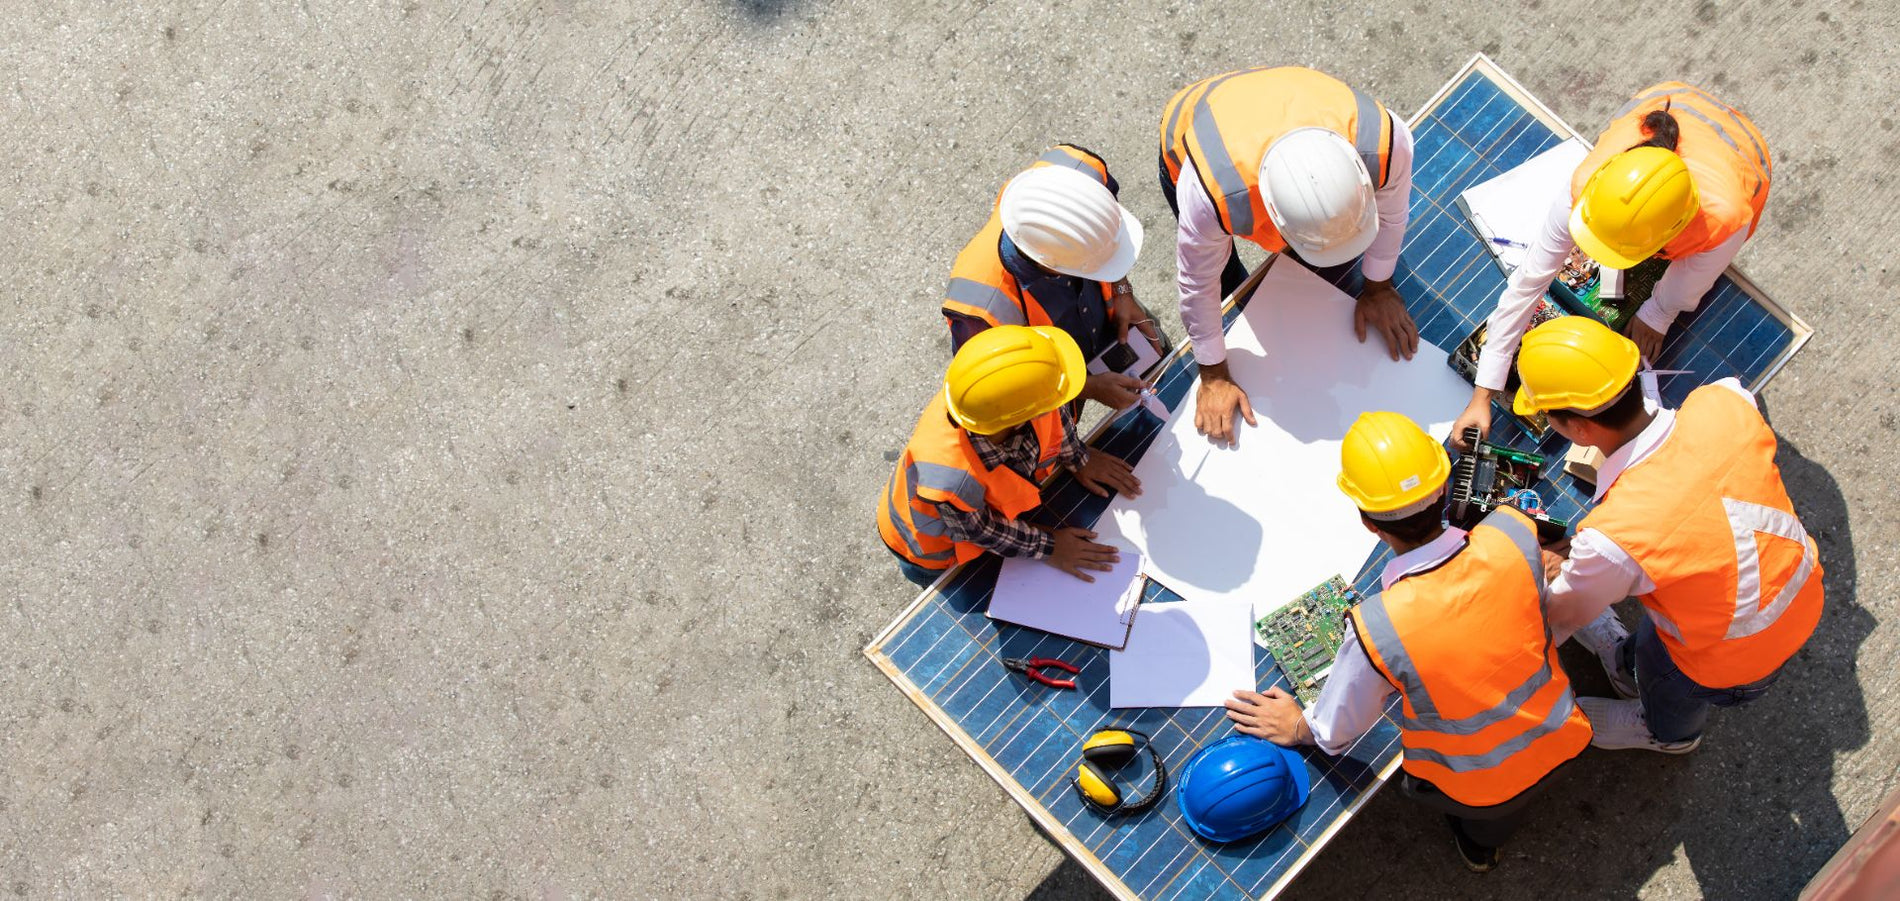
(1510, 243)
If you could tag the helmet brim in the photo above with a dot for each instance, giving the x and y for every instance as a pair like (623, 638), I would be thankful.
(1603, 253)
(1127, 248)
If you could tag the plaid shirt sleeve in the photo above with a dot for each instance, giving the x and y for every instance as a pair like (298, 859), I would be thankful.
(1073, 453)
(993, 531)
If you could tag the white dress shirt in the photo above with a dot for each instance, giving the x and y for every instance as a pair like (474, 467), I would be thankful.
(1678, 291)
(1202, 245)
(1355, 693)
(1599, 573)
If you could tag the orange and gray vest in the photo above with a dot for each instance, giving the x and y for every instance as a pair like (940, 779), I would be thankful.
(982, 289)
(1222, 126)
(1738, 580)
(939, 466)
(1725, 153)
(1486, 708)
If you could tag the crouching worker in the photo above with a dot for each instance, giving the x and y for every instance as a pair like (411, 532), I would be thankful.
(1459, 632)
(974, 465)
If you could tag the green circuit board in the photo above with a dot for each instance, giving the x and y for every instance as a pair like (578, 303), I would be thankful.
(1304, 635)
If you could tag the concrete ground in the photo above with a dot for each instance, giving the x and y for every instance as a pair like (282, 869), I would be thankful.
(438, 440)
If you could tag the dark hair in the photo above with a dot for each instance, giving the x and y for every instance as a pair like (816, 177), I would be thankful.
(1617, 415)
(1661, 128)
(1416, 528)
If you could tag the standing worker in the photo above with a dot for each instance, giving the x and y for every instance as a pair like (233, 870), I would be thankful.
(1459, 632)
(1678, 175)
(1692, 519)
(1056, 251)
(980, 452)
(1290, 159)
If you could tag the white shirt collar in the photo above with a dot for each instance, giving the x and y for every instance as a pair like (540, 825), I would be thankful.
(1634, 451)
(1423, 557)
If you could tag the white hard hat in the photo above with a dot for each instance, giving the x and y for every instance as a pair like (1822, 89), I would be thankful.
(1069, 222)
(1319, 195)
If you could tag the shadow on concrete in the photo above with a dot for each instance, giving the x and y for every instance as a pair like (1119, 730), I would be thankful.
(764, 12)
(1752, 812)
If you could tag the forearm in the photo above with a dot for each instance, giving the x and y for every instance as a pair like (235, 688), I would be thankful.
(1200, 253)
(1683, 284)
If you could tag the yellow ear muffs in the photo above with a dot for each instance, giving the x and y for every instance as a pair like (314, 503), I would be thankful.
(1109, 747)
(1096, 786)
(1112, 749)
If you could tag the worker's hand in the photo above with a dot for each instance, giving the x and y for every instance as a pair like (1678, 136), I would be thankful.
(1648, 341)
(1076, 551)
(1127, 314)
(1112, 389)
(1478, 413)
(1380, 309)
(1554, 556)
(1105, 472)
(1274, 716)
(1215, 402)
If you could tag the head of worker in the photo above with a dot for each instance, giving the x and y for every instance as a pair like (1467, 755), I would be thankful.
(1583, 377)
(1069, 223)
(1006, 376)
(1319, 195)
(1637, 201)
(1395, 474)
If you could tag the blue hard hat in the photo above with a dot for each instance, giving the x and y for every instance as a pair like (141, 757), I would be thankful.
(1239, 786)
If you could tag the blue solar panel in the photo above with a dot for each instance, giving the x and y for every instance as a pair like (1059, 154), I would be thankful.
(950, 652)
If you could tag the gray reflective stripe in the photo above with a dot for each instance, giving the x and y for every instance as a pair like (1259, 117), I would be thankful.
(1524, 538)
(1761, 153)
(949, 480)
(1465, 763)
(1174, 122)
(1371, 122)
(1663, 624)
(1233, 186)
(990, 300)
(910, 540)
(1058, 158)
(1398, 663)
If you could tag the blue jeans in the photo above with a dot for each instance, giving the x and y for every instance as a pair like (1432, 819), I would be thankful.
(916, 573)
(1675, 707)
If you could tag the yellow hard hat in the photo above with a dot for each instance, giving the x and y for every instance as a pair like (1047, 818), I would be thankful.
(1573, 363)
(1010, 374)
(1390, 467)
(1633, 205)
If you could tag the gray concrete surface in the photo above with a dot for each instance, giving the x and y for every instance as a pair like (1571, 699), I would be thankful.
(438, 440)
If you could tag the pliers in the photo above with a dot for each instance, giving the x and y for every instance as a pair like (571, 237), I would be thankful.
(1034, 666)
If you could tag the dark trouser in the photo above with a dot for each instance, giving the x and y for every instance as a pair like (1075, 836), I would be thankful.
(1488, 826)
(1674, 705)
(916, 573)
(1345, 276)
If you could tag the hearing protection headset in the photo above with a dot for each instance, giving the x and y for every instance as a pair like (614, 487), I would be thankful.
(1109, 750)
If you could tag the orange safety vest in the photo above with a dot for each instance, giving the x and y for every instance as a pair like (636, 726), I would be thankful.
(979, 285)
(940, 466)
(1726, 154)
(1224, 125)
(1487, 709)
(1738, 580)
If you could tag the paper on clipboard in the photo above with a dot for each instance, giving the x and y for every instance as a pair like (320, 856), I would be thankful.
(1033, 594)
(1513, 206)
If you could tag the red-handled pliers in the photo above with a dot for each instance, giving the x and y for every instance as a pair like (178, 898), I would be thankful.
(1033, 669)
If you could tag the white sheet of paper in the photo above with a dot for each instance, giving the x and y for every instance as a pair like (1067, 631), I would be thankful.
(1513, 205)
(1183, 654)
(1258, 524)
(1032, 593)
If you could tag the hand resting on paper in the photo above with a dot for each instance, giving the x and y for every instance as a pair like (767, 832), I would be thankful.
(1275, 716)
(1076, 550)
(1215, 403)
(1104, 472)
(1380, 309)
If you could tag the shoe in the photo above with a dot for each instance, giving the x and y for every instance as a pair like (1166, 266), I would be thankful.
(1619, 726)
(1477, 858)
(1604, 637)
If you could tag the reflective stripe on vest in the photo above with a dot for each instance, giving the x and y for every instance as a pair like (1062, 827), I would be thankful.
(949, 480)
(1002, 309)
(1233, 189)
(1738, 580)
(1398, 662)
